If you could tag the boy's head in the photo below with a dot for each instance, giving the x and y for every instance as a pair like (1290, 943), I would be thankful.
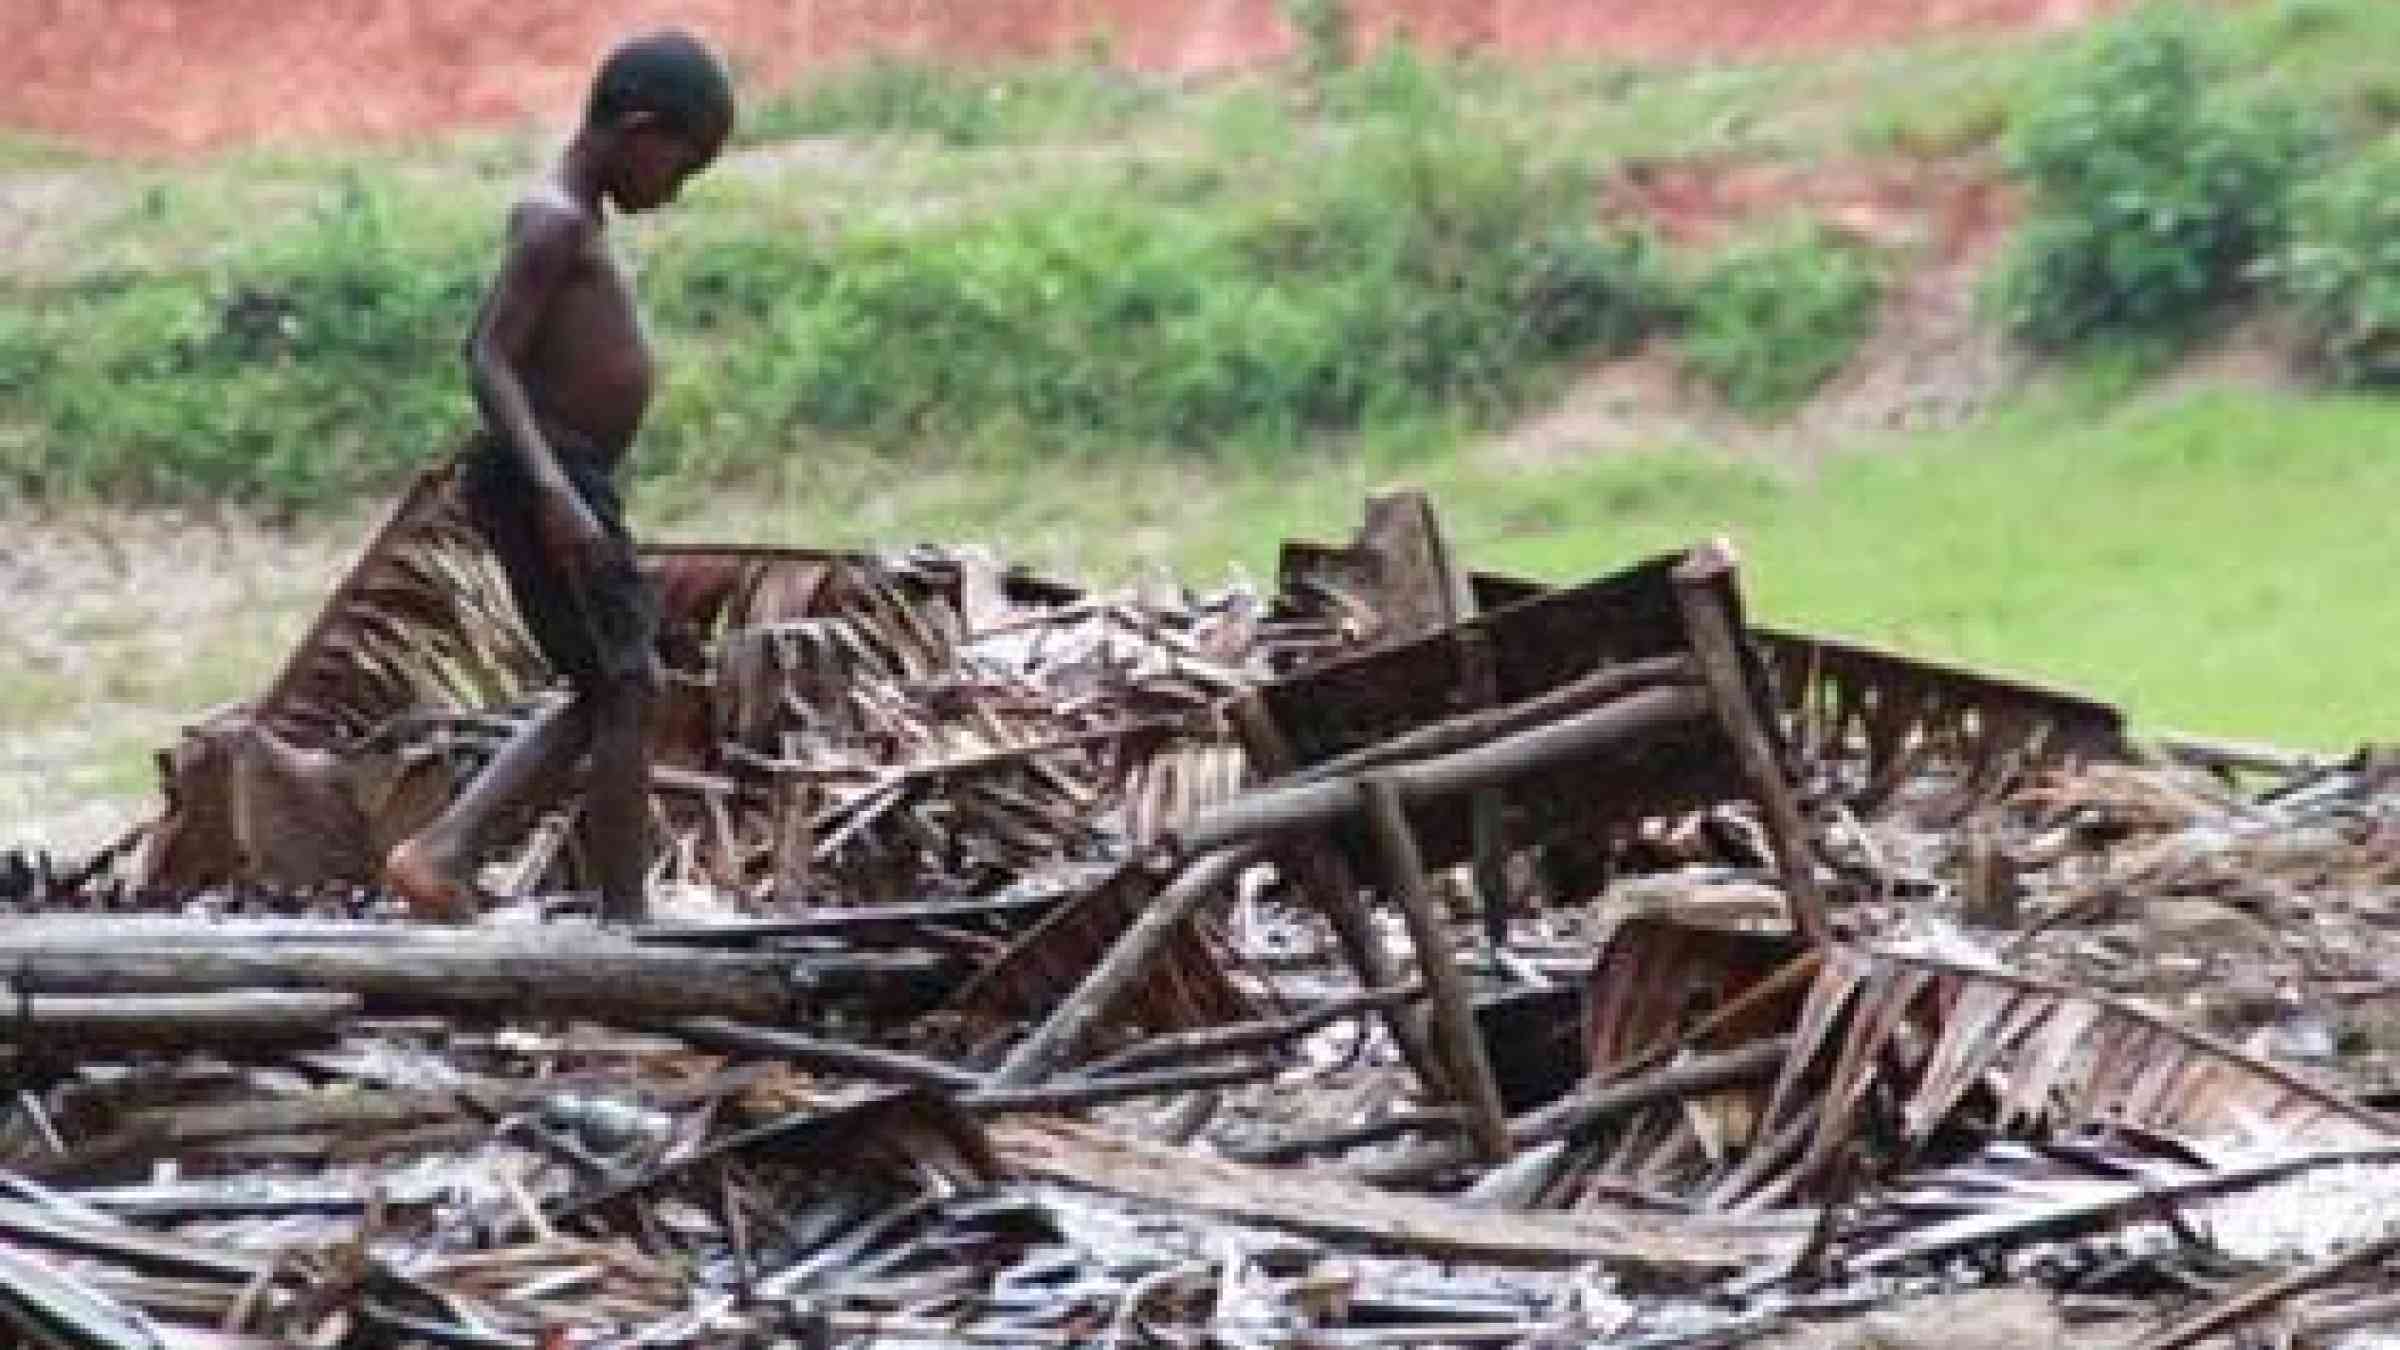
(668, 105)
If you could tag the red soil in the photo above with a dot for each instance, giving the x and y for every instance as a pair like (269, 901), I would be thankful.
(1951, 210)
(181, 75)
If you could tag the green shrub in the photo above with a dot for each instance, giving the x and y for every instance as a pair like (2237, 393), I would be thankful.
(1327, 34)
(1405, 268)
(2151, 194)
(1772, 319)
(959, 107)
(319, 362)
(1398, 86)
(2342, 270)
(1414, 268)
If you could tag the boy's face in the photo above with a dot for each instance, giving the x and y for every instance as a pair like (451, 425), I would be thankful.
(653, 163)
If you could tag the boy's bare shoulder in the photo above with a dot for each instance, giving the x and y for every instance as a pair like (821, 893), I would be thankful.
(546, 214)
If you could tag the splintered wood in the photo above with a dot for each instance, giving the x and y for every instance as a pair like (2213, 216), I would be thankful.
(1413, 956)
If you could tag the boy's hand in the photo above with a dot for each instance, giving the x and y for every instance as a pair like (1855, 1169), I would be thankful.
(570, 534)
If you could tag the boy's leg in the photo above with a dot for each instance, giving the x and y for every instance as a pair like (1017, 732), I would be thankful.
(616, 802)
(534, 768)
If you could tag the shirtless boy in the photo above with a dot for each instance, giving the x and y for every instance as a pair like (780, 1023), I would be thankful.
(562, 374)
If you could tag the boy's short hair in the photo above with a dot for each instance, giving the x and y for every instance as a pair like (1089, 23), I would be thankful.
(669, 75)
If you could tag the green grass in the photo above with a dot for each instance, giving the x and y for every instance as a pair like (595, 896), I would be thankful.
(1009, 105)
(2206, 562)
(24, 150)
(2211, 562)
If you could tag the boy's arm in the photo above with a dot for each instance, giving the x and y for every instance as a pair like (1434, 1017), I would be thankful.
(544, 246)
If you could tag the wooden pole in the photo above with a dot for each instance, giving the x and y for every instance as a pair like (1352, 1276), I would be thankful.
(1323, 876)
(1290, 808)
(1592, 1103)
(1479, 688)
(1188, 1046)
(2258, 1298)
(1453, 1010)
(1057, 1039)
(549, 975)
(233, 1020)
(1700, 581)
(1469, 729)
(1065, 1094)
(821, 1055)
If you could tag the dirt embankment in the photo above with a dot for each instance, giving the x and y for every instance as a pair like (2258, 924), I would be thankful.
(180, 75)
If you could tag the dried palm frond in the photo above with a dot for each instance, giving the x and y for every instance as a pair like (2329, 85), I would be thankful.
(1658, 979)
(422, 622)
(2127, 798)
(829, 719)
(1176, 781)
(1877, 719)
(269, 789)
(1937, 1043)
(1188, 984)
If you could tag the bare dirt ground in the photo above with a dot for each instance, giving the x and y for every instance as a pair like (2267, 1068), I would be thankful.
(184, 75)
(1929, 363)
(122, 626)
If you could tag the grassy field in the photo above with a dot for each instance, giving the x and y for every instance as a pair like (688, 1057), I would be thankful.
(2209, 558)
(2207, 554)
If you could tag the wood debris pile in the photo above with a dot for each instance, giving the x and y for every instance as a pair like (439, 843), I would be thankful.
(1408, 957)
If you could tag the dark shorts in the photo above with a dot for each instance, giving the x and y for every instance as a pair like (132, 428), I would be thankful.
(595, 630)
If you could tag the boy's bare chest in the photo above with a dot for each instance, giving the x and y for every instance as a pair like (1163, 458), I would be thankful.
(600, 291)
(595, 368)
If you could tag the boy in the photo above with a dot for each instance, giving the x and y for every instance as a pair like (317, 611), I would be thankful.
(562, 374)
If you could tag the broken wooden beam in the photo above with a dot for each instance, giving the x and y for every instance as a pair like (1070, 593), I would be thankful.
(1324, 878)
(544, 973)
(1338, 1208)
(1063, 1033)
(1700, 587)
(1284, 809)
(1592, 1103)
(232, 1021)
(1187, 1046)
(1453, 1013)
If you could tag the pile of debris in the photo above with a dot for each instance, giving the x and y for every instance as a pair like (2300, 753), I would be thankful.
(1411, 957)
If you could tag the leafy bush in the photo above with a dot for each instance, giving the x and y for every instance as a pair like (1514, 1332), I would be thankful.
(325, 360)
(1404, 268)
(1414, 267)
(2342, 271)
(1327, 34)
(886, 94)
(2151, 193)
(1397, 86)
(1375, 294)
(1771, 320)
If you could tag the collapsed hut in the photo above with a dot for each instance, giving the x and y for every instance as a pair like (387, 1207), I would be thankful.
(1409, 956)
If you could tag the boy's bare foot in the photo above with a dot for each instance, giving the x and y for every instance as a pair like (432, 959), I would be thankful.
(433, 893)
